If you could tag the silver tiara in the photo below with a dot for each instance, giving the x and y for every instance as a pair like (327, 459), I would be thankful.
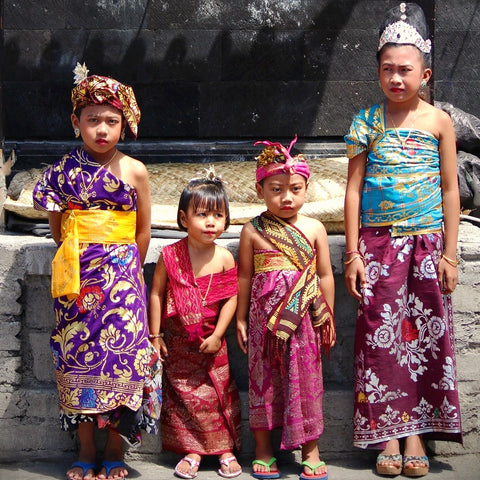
(405, 34)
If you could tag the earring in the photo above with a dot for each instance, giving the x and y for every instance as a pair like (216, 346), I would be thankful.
(423, 84)
(76, 132)
(122, 135)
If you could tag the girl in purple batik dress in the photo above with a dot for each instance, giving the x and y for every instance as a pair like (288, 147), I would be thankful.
(401, 226)
(98, 203)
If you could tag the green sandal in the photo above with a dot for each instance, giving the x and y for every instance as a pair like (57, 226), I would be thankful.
(270, 474)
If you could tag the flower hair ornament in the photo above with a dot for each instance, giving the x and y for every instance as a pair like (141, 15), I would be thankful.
(209, 174)
(403, 33)
(277, 159)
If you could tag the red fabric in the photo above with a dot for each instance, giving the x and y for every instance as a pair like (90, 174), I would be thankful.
(201, 407)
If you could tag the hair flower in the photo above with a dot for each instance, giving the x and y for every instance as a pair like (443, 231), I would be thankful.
(80, 73)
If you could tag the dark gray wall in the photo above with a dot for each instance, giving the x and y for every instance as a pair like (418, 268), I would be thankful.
(211, 69)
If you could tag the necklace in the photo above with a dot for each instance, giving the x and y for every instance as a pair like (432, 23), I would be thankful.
(204, 297)
(402, 141)
(85, 193)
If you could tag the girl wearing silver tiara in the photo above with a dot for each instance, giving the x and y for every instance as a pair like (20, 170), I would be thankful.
(401, 227)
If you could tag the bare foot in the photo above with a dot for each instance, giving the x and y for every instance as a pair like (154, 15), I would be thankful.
(113, 466)
(81, 471)
(83, 468)
(415, 447)
(186, 468)
(392, 448)
(229, 464)
(312, 464)
(263, 453)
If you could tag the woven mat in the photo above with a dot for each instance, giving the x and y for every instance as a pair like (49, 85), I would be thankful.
(324, 196)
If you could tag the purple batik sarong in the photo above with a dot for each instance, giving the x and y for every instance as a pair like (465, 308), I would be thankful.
(101, 353)
(284, 392)
(405, 380)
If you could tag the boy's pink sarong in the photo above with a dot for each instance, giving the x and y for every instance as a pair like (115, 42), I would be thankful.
(287, 392)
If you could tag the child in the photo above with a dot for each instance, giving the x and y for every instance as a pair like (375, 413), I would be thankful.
(284, 266)
(401, 226)
(98, 203)
(192, 302)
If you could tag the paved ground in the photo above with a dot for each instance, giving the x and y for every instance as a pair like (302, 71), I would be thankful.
(459, 467)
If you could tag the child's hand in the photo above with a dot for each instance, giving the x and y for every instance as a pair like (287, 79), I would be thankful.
(447, 276)
(160, 347)
(242, 335)
(355, 277)
(211, 344)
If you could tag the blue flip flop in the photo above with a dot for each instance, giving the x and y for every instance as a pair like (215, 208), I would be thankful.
(110, 465)
(85, 466)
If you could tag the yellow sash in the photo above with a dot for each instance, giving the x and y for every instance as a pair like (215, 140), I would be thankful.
(86, 226)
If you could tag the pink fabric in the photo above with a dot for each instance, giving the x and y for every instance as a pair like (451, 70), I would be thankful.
(284, 393)
(290, 165)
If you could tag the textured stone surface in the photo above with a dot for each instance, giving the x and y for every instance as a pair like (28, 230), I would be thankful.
(211, 69)
(28, 402)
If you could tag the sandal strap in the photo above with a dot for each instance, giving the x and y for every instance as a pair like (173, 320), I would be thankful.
(306, 463)
(416, 458)
(265, 464)
(395, 457)
(193, 463)
(227, 460)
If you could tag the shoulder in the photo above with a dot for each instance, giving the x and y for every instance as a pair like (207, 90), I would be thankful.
(248, 230)
(312, 228)
(438, 121)
(135, 167)
(225, 257)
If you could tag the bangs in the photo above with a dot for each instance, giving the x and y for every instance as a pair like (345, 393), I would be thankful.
(206, 200)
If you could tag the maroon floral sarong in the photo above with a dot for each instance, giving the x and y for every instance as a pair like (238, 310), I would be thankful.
(405, 380)
(201, 407)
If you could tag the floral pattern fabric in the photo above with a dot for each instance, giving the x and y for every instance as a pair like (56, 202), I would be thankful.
(101, 353)
(405, 381)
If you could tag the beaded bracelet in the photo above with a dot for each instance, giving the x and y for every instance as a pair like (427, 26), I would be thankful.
(357, 255)
(157, 335)
(451, 261)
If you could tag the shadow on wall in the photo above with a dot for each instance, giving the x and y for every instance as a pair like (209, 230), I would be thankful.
(249, 82)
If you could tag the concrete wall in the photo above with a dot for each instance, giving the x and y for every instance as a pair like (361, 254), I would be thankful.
(205, 69)
(28, 400)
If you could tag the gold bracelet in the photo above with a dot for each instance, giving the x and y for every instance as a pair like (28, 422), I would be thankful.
(348, 262)
(451, 261)
(157, 335)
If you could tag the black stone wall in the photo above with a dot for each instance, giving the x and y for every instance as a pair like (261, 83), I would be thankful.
(211, 69)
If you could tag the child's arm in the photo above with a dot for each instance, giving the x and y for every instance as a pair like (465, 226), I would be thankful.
(143, 227)
(55, 223)
(325, 273)
(354, 271)
(447, 273)
(245, 273)
(213, 343)
(155, 305)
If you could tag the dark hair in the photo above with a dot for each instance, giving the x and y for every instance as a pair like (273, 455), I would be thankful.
(414, 16)
(426, 57)
(203, 193)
